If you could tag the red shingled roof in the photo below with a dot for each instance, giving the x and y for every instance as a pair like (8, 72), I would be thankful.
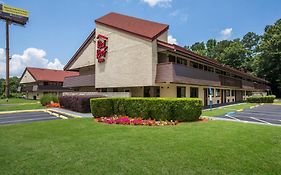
(40, 74)
(144, 28)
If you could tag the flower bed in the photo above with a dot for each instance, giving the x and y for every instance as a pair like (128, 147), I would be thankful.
(125, 120)
(53, 105)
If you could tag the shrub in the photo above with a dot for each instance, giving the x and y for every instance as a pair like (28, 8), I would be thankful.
(78, 103)
(261, 99)
(181, 109)
(47, 99)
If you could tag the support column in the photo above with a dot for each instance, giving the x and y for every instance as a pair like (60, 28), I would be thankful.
(7, 61)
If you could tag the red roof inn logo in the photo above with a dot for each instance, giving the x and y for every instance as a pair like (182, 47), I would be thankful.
(101, 48)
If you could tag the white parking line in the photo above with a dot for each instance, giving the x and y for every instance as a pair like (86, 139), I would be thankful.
(232, 117)
(260, 120)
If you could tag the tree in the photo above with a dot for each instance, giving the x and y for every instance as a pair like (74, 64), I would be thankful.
(211, 46)
(199, 47)
(234, 55)
(269, 62)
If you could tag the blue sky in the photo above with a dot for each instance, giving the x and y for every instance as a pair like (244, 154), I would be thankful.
(57, 28)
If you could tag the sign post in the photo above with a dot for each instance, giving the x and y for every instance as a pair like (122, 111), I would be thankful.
(11, 15)
(210, 97)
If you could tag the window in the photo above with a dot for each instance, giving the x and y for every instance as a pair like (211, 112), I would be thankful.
(181, 91)
(210, 69)
(193, 92)
(115, 89)
(172, 58)
(181, 61)
(233, 93)
(200, 66)
(193, 64)
(218, 92)
(227, 93)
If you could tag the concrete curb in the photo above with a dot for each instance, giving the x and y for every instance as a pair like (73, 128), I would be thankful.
(65, 113)
(20, 111)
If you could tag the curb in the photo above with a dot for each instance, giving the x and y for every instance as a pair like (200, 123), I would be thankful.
(65, 113)
(20, 111)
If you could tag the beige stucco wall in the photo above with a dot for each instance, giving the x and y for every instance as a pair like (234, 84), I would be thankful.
(27, 78)
(163, 37)
(170, 90)
(87, 70)
(130, 61)
(86, 58)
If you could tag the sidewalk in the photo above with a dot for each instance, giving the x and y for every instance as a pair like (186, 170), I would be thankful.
(72, 113)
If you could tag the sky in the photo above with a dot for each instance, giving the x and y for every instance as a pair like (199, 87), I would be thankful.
(57, 28)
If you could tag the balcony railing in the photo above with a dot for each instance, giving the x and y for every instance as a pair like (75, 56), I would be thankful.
(79, 81)
(229, 81)
(177, 73)
(248, 85)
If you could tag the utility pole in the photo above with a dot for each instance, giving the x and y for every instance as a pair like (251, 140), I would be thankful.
(7, 61)
(11, 15)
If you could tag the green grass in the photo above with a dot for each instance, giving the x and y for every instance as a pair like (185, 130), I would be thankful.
(223, 110)
(81, 146)
(17, 100)
(14, 104)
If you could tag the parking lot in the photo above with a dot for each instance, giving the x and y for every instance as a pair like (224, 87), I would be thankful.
(25, 117)
(265, 114)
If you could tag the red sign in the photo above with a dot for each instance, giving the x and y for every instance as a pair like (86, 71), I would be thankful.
(101, 48)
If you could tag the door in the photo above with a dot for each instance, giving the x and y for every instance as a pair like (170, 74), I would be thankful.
(205, 96)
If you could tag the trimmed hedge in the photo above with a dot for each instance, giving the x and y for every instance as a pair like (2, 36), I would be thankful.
(47, 99)
(261, 99)
(181, 109)
(78, 103)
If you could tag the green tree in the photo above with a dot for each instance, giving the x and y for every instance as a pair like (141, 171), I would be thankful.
(234, 55)
(269, 58)
(199, 47)
(211, 46)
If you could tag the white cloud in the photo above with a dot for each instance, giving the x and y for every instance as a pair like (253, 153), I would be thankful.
(226, 33)
(172, 40)
(2, 54)
(31, 57)
(180, 14)
(160, 3)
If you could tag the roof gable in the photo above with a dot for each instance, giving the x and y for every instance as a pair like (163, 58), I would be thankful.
(79, 51)
(40, 74)
(144, 28)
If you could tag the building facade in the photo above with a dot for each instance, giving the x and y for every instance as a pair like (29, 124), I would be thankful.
(127, 54)
(36, 82)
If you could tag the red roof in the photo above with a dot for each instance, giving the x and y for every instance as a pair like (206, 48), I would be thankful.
(40, 74)
(137, 26)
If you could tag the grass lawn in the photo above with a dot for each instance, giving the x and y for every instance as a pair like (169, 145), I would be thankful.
(81, 146)
(223, 110)
(19, 104)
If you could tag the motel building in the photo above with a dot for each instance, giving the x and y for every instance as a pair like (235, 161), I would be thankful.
(125, 54)
(36, 82)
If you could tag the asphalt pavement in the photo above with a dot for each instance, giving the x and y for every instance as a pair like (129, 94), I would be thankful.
(24, 117)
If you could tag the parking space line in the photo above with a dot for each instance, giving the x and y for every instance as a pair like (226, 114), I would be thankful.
(232, 117)
(260, 120)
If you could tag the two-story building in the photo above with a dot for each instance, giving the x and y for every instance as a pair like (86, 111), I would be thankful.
(35, 82)
(128, 54)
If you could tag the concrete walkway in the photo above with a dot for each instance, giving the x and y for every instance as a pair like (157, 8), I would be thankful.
(72, 113)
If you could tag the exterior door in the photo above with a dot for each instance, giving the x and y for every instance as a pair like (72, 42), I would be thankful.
(205, 96)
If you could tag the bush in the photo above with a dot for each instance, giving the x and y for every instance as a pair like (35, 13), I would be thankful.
(261, 99)
(181, 109)
(47, 99)
(78, 103)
